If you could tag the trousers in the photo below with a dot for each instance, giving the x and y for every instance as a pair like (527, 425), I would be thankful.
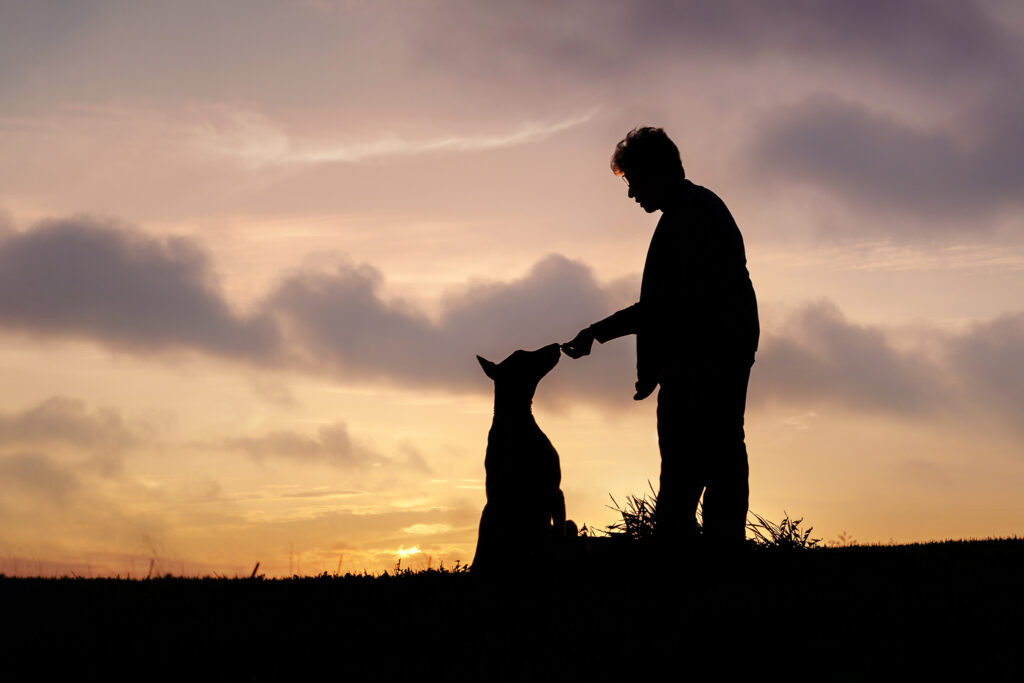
(701, 438)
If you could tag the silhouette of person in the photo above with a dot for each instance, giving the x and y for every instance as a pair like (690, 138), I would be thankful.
(696, 330)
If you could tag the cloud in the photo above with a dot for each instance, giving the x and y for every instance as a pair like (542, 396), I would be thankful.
(86, 279)
(818, 355)
(461, 76)
(60, 419)
(332, 446)
(933, 42)
(36, 474)
(880, 164)
(253, 139)
(509, 45)
(63, 421)
(989, 361)
(346, 325)
(92, 278)
(99, 280)
(917, 39)
(917, 116)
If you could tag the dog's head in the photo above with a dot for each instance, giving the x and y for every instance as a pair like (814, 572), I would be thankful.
(523, 369)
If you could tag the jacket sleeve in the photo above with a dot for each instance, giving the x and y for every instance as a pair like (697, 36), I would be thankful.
(626, 321)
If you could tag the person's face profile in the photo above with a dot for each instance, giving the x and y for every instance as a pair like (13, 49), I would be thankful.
(644, 190)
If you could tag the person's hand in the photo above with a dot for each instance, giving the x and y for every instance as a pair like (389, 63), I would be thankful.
(580, 345)
(643, 391)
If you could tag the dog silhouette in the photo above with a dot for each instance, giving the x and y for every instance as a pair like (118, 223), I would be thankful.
(525, 505)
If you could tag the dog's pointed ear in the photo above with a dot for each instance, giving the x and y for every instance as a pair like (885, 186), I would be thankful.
(488, 366)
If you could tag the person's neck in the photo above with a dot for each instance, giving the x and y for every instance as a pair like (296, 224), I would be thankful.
(675, 195)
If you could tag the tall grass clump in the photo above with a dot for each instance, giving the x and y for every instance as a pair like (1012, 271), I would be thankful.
(786, 535)
(639, 515)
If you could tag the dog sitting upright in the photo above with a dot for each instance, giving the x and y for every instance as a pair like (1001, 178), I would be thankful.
(524, 503)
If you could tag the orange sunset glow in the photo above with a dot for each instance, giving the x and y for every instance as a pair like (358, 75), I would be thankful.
(249, 252)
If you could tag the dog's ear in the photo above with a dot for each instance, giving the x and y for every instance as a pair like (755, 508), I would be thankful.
(488, 366)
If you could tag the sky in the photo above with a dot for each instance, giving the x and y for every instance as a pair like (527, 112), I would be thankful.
(250, 250)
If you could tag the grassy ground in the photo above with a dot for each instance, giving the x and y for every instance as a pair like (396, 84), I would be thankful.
(861, 613)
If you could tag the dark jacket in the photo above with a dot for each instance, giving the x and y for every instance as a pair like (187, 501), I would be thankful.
(697, 303)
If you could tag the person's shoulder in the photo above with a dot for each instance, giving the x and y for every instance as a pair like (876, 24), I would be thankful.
(706, 202)
(702, 196)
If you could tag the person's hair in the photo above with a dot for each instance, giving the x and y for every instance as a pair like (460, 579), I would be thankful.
(647, 151)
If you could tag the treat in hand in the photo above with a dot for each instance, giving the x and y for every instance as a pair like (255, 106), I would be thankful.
(580, 345)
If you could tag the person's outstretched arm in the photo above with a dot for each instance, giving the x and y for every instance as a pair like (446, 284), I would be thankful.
(618, 324)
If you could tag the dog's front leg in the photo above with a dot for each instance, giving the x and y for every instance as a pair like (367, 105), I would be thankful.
(558, 512)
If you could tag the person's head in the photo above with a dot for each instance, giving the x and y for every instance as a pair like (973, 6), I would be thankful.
(649, 161)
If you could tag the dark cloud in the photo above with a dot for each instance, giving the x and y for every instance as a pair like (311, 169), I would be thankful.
(84, 277)
(451, 61)
(959, 56)
(345, 324)
(331, 446)
(880, 164)
(99, 280)
(989, 361)
(464, 51)
(885, 164)
(818, 355)
(916, 39)
(341, 324)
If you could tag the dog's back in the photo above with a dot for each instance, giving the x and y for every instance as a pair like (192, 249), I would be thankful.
(524, 503)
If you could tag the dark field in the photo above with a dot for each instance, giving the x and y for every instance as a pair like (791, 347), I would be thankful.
(943, 611)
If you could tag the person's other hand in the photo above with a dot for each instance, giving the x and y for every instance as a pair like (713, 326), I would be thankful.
(580, 345)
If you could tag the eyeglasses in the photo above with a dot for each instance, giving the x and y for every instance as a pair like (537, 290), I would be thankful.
(625, 180)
